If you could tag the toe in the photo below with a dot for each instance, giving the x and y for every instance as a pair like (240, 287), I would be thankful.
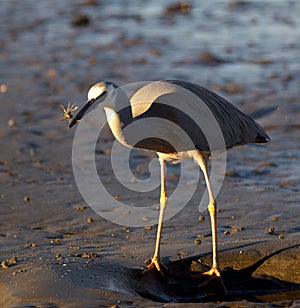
(155, 264)
(213, 272)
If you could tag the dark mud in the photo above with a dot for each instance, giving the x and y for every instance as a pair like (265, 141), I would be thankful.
(77, 278)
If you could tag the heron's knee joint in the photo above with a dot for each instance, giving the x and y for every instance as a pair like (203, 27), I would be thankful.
(163, 200)
(212, 207)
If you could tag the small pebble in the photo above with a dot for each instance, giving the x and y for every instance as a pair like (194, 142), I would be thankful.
(80, 19)
(230, 173)
(197, 242)
(90, 255)
(11, 123)
(3, 88)
(75, 247)
(271, 230)
(55, 242)
(12, 260)
(28, 245)
(80, 207)
(26, 199)
(179, 7)
(117, 197)
(274, 218)
(238, 229)
(148, 228)
(90, 220)
(226, 232)
(201, 218)
(51, 73)
(182, 254)
(20, 271)
(58, 255)
(280, 236)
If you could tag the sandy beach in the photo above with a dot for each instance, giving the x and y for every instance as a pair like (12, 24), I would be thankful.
(55, 250)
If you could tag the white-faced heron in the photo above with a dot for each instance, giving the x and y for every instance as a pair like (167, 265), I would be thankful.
(236, 128)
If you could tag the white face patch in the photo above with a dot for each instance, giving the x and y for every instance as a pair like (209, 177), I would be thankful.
(96, 90)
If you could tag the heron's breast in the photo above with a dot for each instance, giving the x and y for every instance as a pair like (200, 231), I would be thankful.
(149, 133)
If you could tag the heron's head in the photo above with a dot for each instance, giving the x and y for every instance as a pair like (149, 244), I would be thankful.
(96, 94)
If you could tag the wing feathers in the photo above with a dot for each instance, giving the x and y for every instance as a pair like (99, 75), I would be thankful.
(237, 127)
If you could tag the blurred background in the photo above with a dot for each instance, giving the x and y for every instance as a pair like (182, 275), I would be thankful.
(64, 46)
(51, 52)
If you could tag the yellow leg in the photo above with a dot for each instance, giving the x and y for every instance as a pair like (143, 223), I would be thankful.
(155, 260)
(213, 218)
(212, 208)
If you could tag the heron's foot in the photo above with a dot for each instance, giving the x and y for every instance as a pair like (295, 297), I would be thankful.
(155, 263)
(213, 272)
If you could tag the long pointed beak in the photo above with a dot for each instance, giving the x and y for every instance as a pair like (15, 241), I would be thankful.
(84, 109)
(81, 112)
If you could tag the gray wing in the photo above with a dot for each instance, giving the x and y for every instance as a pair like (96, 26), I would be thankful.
(237, 127)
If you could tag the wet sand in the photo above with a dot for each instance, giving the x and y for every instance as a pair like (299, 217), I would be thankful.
(55, 250)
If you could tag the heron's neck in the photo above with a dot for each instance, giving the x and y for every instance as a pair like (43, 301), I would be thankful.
(116, 124)
(121, 106)
(125, 116)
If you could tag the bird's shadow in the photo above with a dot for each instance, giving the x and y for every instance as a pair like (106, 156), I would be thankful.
(181, 284)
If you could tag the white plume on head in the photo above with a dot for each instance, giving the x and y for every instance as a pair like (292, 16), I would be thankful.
(96, 90)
